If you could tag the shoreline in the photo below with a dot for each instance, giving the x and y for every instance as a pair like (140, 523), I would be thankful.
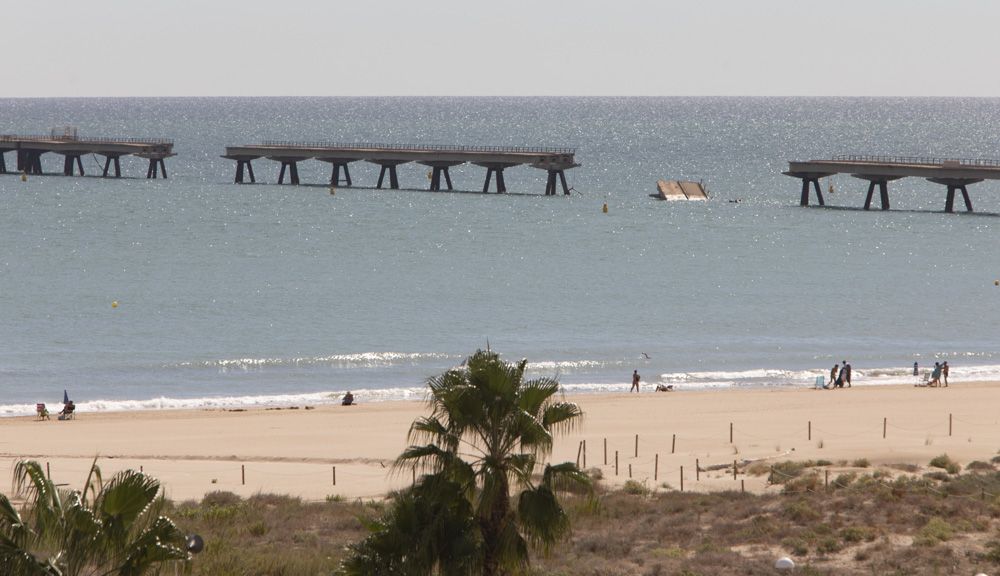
(348, 451)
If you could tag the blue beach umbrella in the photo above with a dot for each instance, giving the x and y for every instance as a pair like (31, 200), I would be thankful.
(65, 397)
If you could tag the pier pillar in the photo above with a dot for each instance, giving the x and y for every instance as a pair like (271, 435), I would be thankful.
(3, 162)
(335, 174)
(955, 184)
(882, 182)
(68, 162)
(240, 166)
(293, 171)
(497, 169)
(440, 168)
(108, 159)
(388, 166)
(551, 184)
(809, 178)
(29, 161)
(156, 167)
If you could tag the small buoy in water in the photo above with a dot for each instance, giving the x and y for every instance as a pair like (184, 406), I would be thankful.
(784, 564)
(333, 190)
(24, 176)
(430, 175)
(996, 282)
(605, 209)
(114, 303)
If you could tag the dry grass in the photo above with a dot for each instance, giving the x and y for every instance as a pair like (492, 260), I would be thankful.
(872, 524)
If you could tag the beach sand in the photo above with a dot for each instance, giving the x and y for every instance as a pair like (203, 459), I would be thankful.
(299, 451)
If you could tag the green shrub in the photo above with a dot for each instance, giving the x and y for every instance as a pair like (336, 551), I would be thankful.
(843, 480)
(855, 534)
(802, 511)
(635, 488)
(796, 546)
(936, 530)
(979, 466)
(861, 463)
(828, 545)
(220, 498)
(942, 461)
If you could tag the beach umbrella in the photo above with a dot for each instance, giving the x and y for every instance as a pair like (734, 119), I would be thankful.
(65, 397)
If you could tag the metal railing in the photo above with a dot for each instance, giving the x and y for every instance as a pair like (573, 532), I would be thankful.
(85, 140)
(419, 147)
(917, 160)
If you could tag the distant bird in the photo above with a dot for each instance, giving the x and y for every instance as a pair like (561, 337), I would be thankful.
(646, 356)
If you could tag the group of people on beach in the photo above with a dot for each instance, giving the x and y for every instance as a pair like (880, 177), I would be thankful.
(938, 377)
(840, 374)
(659, 387)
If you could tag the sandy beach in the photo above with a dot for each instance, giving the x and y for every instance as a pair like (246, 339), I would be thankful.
(348, 451)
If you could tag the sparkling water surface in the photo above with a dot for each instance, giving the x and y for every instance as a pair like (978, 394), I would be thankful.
(251, 294)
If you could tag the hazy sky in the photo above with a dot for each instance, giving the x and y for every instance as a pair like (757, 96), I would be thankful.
(515, 47)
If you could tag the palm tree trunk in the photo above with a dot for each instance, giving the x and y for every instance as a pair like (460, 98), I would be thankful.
(492, 526)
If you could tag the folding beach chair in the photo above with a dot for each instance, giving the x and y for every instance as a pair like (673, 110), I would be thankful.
(820, 383)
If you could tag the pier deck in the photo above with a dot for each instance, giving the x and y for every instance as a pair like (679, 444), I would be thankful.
(30, 148)
(437, 157)
(954, 173)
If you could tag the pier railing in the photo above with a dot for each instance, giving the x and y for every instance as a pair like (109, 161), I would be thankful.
(917, 160)
(419, 147)
(86, 140)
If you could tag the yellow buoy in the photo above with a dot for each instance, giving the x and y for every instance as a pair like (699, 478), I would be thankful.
(996, 282)
(24, 176)
(114, 304)
(605, 209)
(333, 190)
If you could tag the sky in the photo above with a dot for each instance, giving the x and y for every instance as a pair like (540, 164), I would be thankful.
(509, 48)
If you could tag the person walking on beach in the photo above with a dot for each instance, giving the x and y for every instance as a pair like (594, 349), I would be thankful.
(833, 375)
(846, 373)
(944, 373)
(635, 382)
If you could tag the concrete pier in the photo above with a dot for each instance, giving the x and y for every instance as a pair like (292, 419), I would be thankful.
(496, 159)
(954, 173)
(30, 148)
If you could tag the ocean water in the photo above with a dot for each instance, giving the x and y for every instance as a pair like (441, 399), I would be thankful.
(264, 294)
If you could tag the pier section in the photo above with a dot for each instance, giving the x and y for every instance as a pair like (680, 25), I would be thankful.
(29, 149)
(954, 173)
(496, 159)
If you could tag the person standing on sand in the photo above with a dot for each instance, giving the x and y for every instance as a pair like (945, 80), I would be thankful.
(635, 382)
(833, 375)
(846, 373)
(944, 373)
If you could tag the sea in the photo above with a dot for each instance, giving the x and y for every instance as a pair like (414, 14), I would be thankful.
(195, 292)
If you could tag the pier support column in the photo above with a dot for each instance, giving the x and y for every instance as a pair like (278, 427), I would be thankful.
(335, 174)
(3, 162)
(388, 167)
(156, 166)
(953, 185)
(807, 179)
(240, 165)
(439, 169)
(29, 161)
(882, 183)
(497, 169)
(68, 164)
(551, 184)
(293, 171)
(107, 165)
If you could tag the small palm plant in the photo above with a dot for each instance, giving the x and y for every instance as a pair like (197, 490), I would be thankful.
(480, 503)
(114, 528)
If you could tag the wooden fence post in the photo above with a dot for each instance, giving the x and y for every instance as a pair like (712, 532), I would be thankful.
(656, 467)
(682, 478)
(885, 424)
(616, 462)
(243, 474)
(636, 445)
(697, 470)
(673, 444)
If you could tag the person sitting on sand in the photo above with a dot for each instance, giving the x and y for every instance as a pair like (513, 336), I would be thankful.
(67, 412)
(935, 380)
(664, 387)
(348, 399)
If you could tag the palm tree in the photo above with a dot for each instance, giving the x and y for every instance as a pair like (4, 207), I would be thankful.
(488, 432)
(106, 529)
